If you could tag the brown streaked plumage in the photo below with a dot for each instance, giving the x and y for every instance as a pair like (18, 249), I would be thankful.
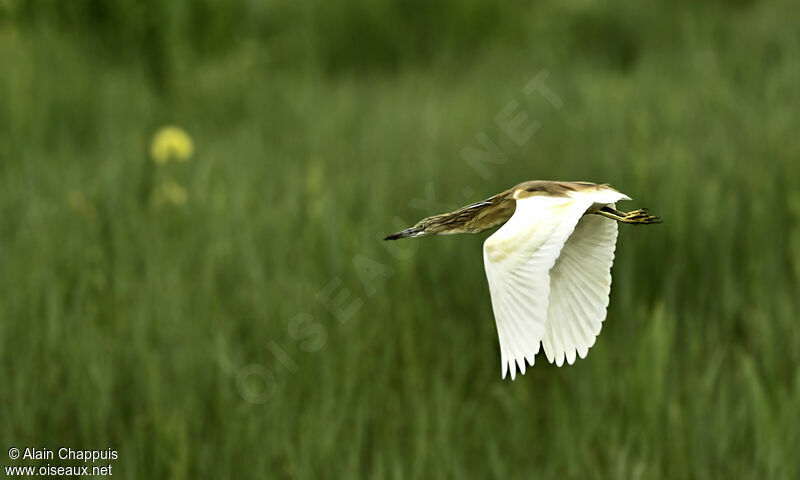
(496, 210)
(548, 265)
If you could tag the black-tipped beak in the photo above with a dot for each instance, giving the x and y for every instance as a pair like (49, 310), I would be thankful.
(408, 232)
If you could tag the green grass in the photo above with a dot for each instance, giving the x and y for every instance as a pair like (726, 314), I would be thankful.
(154, 330)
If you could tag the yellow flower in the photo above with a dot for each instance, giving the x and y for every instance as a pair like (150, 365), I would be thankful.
(175, 194)
(170, 192)
(171, 143)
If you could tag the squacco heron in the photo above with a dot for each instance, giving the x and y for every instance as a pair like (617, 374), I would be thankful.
(548, 265)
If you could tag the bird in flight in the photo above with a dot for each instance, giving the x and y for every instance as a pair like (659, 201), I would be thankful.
(548, 265)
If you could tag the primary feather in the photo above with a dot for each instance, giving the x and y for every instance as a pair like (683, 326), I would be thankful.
(549, 277)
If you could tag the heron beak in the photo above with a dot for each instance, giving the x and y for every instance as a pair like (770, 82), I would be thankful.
(408, 232)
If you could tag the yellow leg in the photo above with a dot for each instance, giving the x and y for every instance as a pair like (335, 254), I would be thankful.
(636, 217)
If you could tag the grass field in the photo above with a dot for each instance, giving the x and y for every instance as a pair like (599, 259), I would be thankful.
(252, 325)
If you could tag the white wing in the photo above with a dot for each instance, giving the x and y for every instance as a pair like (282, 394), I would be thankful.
(580, 282)
(518, 258)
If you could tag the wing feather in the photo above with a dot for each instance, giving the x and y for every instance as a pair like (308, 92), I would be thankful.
(580, 283)
(518, 259)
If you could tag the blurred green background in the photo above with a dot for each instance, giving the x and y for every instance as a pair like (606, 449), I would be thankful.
(188, 314)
